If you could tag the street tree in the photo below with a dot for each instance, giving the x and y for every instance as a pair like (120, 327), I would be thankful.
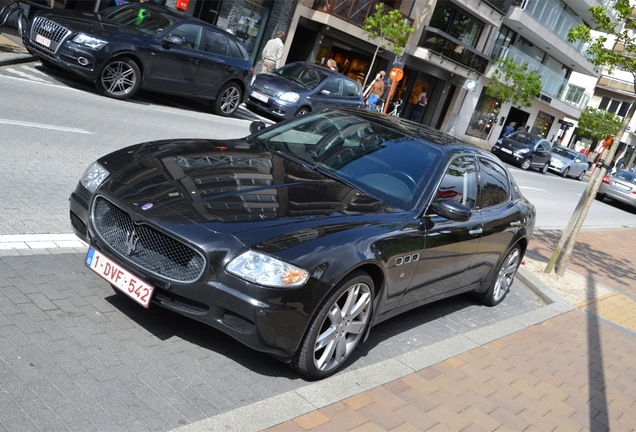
(610, 32)
(598, 124)
(389, 29)
(511, 82)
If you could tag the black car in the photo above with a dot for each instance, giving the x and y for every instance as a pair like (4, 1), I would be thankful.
(299, 88)
(147, 46)
(299, 238)
(525, 149)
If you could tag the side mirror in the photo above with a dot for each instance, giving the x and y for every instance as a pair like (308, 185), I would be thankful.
(173, 40)
(452, 210)
(256, 126)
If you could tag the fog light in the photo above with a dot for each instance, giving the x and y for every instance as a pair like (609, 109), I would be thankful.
(83, 61)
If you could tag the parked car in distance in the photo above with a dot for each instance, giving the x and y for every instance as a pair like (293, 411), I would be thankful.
(619, 186)
(299, 88)
(567, 162)
(524, 149)
(299, 238)
(145, 46)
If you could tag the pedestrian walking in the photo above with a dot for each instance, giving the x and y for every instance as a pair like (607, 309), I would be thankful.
(419, 107)
(375, 90)
(331, 64)
(273, 52)
(508, 129)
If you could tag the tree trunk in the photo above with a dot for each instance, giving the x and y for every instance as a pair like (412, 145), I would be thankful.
(366, 77)
(568, 238)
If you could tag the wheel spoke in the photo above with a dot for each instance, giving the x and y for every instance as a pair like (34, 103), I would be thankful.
(326, 338)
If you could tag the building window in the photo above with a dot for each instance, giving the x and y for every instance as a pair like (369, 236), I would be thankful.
(542, 124)
(484, 117)
(614, 106)
(456, 23)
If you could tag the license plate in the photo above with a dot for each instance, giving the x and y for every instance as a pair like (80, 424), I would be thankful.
(42, 40)
(260, 97)
(505, 150)
(119, 277)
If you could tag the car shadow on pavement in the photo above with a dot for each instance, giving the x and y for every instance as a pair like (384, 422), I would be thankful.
(164, 325)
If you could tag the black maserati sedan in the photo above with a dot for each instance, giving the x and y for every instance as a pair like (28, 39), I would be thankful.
(300, 237)
(145, 46)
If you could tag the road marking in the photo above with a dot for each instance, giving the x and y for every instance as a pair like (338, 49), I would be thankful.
(531, 188)
(22, 74)
(43, 126)
(40, 241)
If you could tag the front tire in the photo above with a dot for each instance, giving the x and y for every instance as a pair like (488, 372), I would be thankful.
(228, 100)
(525, 164)
(302, 111)
(504, 278)
(565, 172)
(119, 79)
(337, 327)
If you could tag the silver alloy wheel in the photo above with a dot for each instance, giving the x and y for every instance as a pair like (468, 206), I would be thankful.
(580, 177)
(119, 78)
(230, 100)
(525, 164)
(343, 327)
(506, 275)
(565, 172)
(302, 111)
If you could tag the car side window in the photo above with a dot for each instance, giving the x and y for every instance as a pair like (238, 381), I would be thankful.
(544, 146)
(494, 186)
(333, 86)
(215, 43)
(236, 51)
(351, 89)
(459, 183)
(191, 34)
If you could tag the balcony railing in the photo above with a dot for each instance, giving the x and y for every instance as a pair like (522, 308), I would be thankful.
(453, 49)
(552, 84)
(352, 11)
(552, 16)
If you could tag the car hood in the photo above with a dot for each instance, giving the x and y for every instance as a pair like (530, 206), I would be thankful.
(279, 84)
(227, 187)
(89, 22)
(515, 145)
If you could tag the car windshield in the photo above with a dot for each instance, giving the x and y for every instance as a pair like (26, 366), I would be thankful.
(386, 164)
(563, 152)
(144, 20)
(627, 176)
(302, 74)
(524, 138)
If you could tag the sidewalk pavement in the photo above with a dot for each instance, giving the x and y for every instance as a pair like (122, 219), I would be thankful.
(11, 49)
(575, 371)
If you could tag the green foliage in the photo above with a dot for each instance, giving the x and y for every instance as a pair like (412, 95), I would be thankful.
(390, 27)
(598, 124)
(602, 54)
(513, 83)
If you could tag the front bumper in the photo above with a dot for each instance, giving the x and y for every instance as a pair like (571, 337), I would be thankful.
(268, 320)
(277, 109)
(512, 158)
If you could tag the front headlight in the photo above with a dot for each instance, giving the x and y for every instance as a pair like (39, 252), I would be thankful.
(89, 41)
(93, 177)
(522, 152)
(267, 270)
(289, 97)
(557, 163)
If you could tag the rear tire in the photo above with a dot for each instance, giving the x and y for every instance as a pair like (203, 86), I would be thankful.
(337, 328)
(599, 196)
(119, 79)
(580, 177)
(503, 279)
(228, 100)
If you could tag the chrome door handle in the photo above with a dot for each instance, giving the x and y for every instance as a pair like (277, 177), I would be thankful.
(515, 223)
(476, 231)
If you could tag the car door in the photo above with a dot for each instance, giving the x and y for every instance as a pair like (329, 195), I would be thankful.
(541, 154)
(215, 64)
(176, 64)
(329, 93)
(449, 245)
(580, 165)
(500, 217)
(352, 94)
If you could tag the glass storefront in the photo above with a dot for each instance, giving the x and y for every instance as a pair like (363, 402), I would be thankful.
(251, 25)
(542, 124)
(484, 118)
